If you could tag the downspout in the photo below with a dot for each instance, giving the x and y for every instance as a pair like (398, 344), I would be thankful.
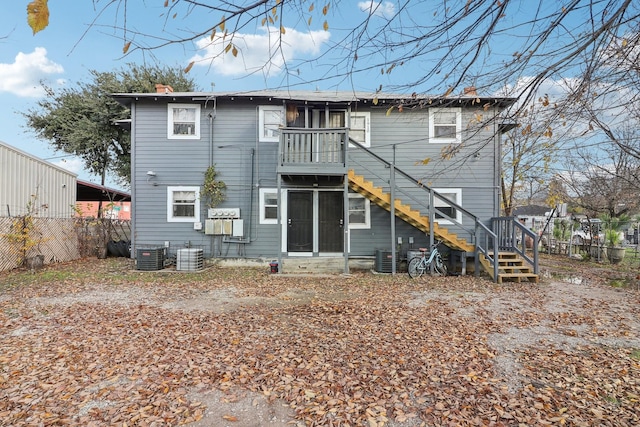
(134, 181)
(253, 152)
(345, 196)
(211, 116)
(392, 209)
(255, 166)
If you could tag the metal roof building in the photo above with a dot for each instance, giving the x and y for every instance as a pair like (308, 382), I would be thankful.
(31, 185)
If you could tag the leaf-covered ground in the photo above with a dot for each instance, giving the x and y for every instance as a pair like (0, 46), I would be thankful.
(96, 343)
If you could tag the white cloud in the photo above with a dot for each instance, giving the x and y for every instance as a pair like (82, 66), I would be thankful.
(385, 10)
(266, 52)
(23, 76)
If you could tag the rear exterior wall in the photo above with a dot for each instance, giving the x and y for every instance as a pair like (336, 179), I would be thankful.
(228, 139)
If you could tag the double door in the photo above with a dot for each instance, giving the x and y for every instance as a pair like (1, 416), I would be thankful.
(315, 221)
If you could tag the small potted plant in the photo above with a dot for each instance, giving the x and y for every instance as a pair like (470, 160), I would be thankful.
(613, 238)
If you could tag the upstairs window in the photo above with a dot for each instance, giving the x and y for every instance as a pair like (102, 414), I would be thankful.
(184, 121)
(359, 128)
(270, 120)
(183, 204)
(445, 125)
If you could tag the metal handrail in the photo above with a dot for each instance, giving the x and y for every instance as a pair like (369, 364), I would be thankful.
(512, 236)
(489, 244)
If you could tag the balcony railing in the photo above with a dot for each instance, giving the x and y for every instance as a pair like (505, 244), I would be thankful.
(313, 150)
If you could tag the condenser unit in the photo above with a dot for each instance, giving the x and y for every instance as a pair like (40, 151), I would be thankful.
(150, 259)
(190, 259)
(384, 261)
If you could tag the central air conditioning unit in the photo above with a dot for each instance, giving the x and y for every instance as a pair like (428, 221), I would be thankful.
(190, 259)
(150, 259)
(384, 261)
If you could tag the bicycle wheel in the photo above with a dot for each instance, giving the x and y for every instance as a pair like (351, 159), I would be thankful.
(416, 267)
(439, 267)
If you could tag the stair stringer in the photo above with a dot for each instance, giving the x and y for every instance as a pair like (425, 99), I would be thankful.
(403, 211)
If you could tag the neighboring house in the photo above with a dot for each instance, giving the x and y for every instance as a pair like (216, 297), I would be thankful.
(111, 210)
(29, 185)
(308, 173)
(115, 204)
(534, 217)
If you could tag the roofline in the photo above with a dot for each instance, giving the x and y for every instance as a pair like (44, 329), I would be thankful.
(113, 191)
(38, 159)
(380, 99)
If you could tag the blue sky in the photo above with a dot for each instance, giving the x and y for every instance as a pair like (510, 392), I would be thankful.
(81, 37)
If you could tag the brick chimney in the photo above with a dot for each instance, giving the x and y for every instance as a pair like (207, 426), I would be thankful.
(470, 91)
(160, 88)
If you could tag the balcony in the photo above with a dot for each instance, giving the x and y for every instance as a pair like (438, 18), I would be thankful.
(318, 151)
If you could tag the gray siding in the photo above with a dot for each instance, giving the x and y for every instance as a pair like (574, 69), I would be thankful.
(365, 242)
(229, 140)
(405, 137)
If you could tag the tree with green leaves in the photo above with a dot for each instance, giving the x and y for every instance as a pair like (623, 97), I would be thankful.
(82, 120)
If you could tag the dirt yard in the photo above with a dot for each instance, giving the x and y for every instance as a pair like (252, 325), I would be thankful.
(97, 343)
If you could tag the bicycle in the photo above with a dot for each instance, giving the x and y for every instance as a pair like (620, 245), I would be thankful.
(434, 264)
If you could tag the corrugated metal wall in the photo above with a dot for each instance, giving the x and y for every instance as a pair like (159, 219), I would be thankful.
(32, 185)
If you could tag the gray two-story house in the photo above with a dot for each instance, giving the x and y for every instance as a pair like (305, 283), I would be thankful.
(311, 175)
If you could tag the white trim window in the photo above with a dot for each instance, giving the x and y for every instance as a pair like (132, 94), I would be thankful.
(183, 204)
(270, 120)
(359, 128)
(445, 125)
(183, 121)
(268, 206)
(452, 194)
(359, 211)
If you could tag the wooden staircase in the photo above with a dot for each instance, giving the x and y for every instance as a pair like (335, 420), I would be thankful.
(511, 265)
(378, 196)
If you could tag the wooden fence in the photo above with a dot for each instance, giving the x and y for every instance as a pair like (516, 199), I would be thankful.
(31, 242)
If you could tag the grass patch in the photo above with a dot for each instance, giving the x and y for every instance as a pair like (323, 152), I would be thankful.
(635, 354)
(617, 283)
(41, 277)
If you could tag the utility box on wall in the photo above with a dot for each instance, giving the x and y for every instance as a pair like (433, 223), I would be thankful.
(224, 222)
(224, 227)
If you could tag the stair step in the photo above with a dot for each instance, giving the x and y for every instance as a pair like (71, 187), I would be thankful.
(517, 269)
(517, 277)
(511, 263)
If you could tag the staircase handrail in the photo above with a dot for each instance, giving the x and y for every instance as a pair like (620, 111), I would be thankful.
(512, 237)
(488, 247)
(418, 183)
(489, 244)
